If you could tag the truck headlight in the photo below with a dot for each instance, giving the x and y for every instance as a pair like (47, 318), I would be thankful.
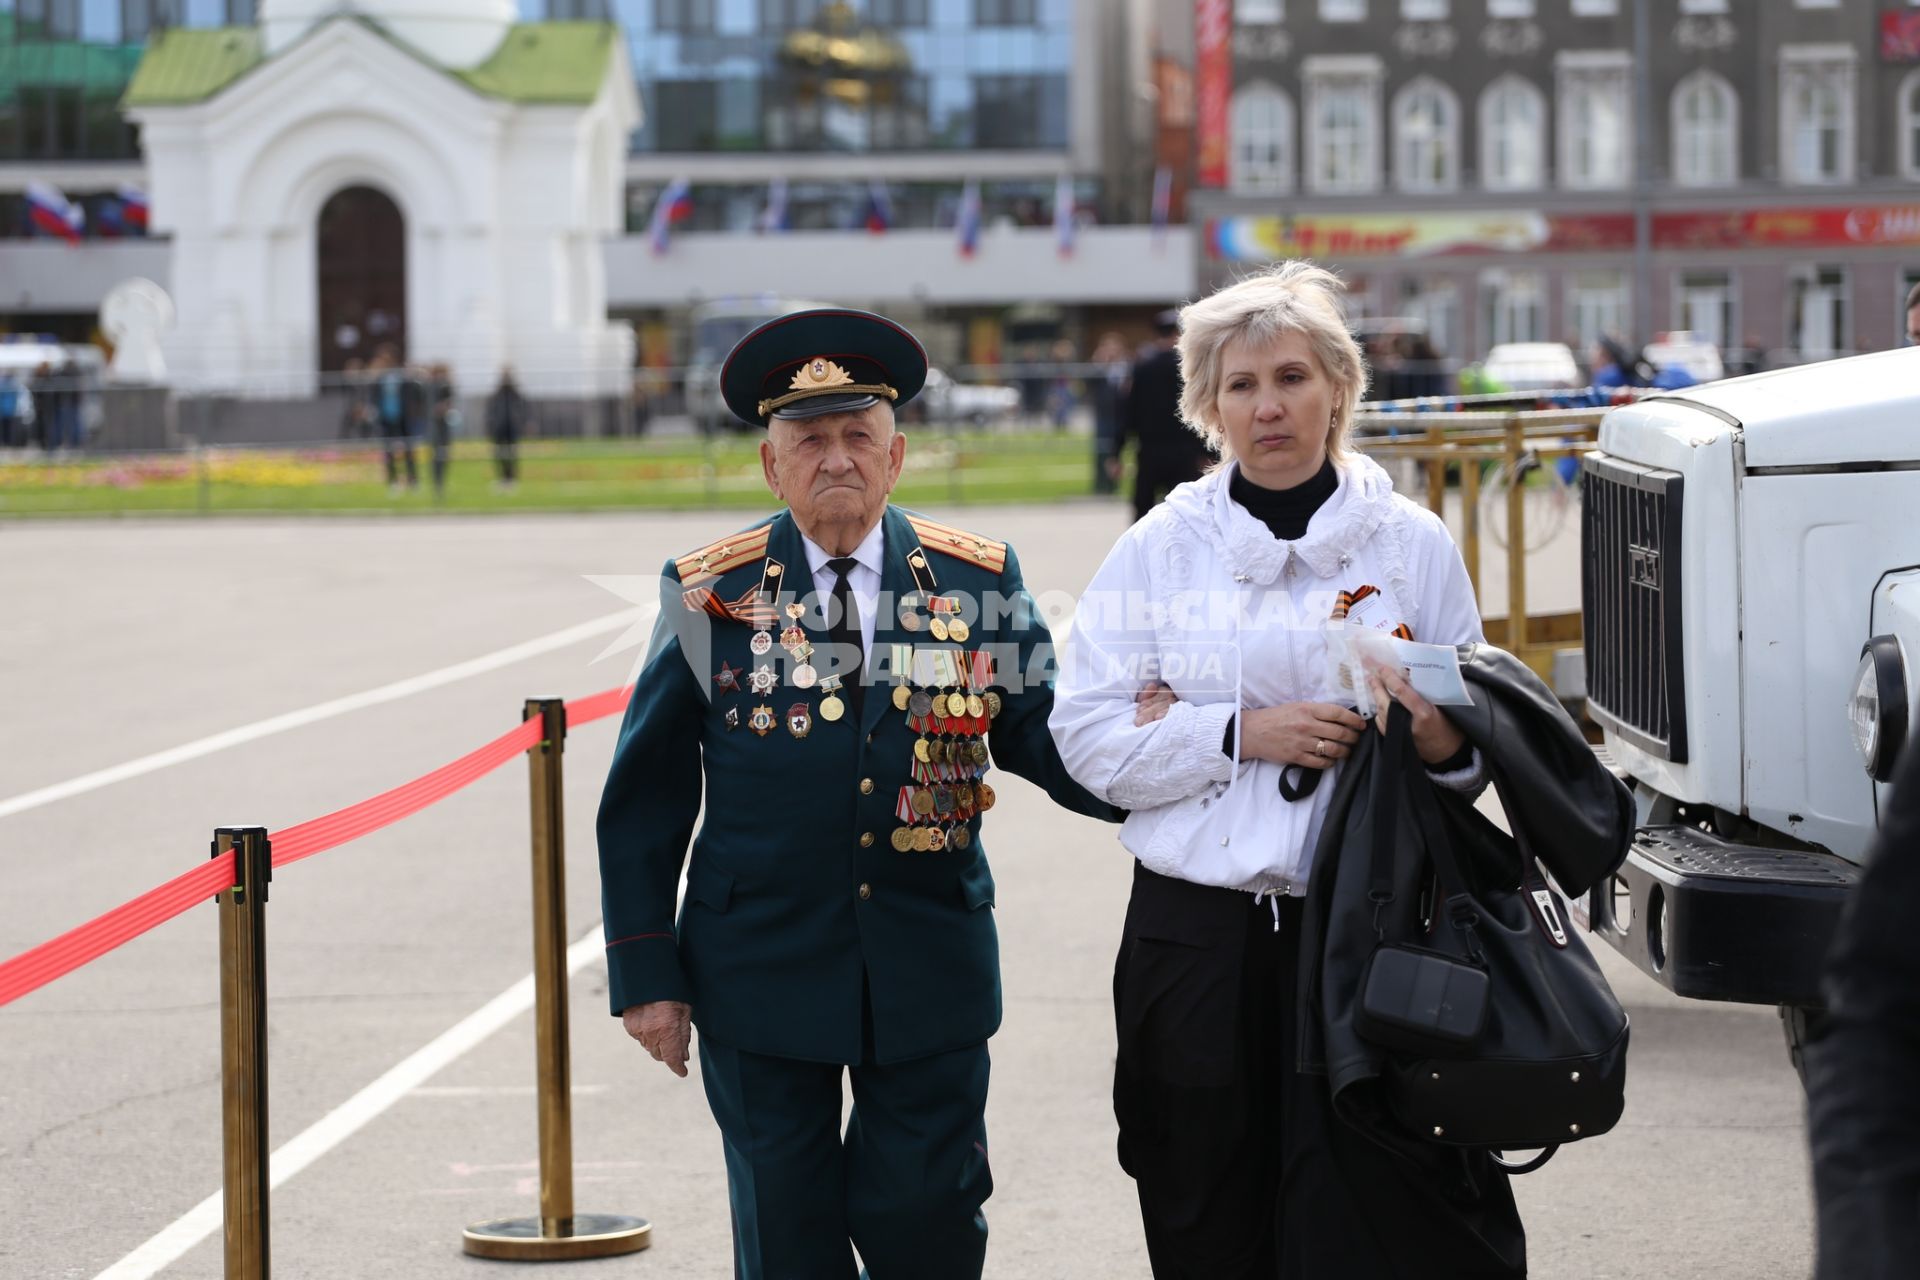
(1877, 709)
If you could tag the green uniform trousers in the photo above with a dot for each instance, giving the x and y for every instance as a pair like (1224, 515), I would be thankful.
(904, 1185)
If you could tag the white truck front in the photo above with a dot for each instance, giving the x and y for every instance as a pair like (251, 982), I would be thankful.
(1751, 591)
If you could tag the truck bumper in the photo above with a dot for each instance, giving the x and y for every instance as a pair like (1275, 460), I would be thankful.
(1714, 920)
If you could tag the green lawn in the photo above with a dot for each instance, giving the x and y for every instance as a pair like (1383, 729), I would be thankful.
(593, 475)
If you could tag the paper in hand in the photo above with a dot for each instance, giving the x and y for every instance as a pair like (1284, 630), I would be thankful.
(1432, 669)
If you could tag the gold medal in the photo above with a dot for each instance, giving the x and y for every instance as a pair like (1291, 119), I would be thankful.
(901, 697)
(993, 703)
(961, 838)
(922, 839)
(958, 630)
(922, 801)
(909, 619)
(831, 708)
(922, 750)
(979, 751)
(936, 839)
(983, 796)
(902, 839)
(956, 705)
(939, 628)
(976, 706)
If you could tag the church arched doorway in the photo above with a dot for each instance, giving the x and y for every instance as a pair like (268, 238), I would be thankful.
(362, 242)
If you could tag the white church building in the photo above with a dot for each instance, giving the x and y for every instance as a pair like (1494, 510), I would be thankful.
(348, 174)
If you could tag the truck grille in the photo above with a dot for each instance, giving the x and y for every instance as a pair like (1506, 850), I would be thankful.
(1630, 598)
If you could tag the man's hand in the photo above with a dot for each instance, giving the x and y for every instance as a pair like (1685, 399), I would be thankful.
(664, 1029)
(1435, 739)
(1311, 734)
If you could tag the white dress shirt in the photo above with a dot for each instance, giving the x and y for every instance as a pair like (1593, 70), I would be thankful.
(866, 576)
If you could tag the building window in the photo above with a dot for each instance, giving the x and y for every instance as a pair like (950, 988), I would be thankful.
(1003, 13)
(1434, 305)
(1597, 306)
(1426, 130)
(1816, 114)
(1423, 10)
(1703, 6)
(695, 17)
(1259, 12)
(1595, 8)
(1513, 130)
(1509, 8)
(1262, 154)
(1594, 119)
(1816, 4)
(894, 14)
(1515, 306)
(1909, 134)
(1343, 127)
(1343, 10)
(1703, 306)
(1705, 131)
(1817, 319)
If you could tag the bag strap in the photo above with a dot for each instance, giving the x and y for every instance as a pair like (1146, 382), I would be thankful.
(1526, 1166)
(1389, 784)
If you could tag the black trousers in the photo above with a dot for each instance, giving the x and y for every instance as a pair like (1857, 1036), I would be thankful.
(1244, 1170)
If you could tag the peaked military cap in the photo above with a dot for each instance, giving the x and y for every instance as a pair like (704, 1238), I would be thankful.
(828, 360)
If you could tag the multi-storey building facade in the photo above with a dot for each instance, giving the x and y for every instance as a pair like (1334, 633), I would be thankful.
(1511, 170)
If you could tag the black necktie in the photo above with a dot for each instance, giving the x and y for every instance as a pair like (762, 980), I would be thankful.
(844, 630)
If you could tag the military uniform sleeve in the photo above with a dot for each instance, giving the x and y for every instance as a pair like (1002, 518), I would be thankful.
(647, 813)
(1019, 738)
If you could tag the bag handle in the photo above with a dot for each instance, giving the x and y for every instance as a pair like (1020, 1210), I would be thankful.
(1389, 767)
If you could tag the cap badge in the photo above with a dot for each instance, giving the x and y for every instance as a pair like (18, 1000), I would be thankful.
(817, 373)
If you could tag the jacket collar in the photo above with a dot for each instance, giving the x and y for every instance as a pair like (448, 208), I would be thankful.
(1357, 508)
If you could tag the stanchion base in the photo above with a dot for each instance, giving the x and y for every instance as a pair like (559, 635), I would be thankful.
(594, 1235)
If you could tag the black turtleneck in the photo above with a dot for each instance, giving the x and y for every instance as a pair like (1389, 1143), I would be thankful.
(1285, 512)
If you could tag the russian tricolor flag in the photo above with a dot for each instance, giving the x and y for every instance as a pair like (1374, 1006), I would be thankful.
(133, 209)
(967, 225)
(879, 213)
(1063, 215)
(674, 205)
(53, 214)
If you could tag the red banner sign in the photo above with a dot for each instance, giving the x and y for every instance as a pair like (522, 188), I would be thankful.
(1899, 36)
(1213, 70)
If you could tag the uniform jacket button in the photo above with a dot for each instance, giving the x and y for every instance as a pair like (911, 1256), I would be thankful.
(866, 891)
(866, 786)
(866, 839)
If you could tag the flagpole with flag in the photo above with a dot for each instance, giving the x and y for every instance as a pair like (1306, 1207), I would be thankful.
(1063, 215)
(1162, 205)
(879, 214)
(967, 224)
(53, 214)
(133, 209)
(773, 218)
(675, 204)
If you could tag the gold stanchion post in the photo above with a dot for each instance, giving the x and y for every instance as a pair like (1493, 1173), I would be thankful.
(559, 1233)
(243, 1049)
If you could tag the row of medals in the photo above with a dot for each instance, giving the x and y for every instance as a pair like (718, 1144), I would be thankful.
(949, 723)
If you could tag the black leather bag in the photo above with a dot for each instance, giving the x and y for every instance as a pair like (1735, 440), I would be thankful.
(1548, 1062)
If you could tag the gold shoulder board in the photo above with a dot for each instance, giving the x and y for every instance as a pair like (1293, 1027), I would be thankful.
(729, 552)
(986, 553)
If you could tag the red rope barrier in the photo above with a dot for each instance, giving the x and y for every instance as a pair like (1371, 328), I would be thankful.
(57, 957)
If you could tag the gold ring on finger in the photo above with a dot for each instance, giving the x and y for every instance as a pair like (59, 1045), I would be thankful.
(1320, 746)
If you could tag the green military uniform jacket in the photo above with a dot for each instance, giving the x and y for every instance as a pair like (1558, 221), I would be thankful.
(796, 894)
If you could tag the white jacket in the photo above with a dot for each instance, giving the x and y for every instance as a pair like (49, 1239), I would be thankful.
(1201, 594)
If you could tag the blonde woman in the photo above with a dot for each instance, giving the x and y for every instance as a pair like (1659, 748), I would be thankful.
(1197, 694)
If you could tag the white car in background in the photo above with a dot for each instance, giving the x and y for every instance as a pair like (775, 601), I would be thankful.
(980, 403)
(1532, 366)
(1684, 350)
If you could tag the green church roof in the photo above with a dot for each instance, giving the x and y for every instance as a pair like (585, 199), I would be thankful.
(537, 62)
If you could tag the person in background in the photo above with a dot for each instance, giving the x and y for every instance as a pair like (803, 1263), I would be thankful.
(506, 418)
(45, 390)
(392, 397)
(1107, 388)
(356, 414)
(1061, 396)
(1863, 1120)
(1913, 316)
(442, 420)
(1426, 367)
(12, 397)
(642, 414)
(1169, 453)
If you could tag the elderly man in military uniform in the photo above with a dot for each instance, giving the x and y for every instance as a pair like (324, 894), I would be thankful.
(838, 678)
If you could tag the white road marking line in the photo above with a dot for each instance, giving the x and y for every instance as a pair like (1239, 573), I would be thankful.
(328, 1132)
(320, 711)
(495, 1091)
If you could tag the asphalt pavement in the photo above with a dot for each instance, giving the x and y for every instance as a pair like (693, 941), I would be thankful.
(125, 639)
